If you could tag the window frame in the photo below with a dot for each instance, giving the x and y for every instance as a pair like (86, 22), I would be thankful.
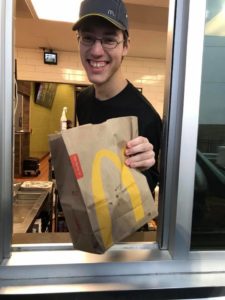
(6, 121)
(182, 98)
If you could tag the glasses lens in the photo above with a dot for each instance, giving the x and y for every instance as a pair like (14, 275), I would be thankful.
(109, 43)
(87, 40)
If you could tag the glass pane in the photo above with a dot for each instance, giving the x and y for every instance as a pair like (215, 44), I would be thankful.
(208, 224)
(38, 109)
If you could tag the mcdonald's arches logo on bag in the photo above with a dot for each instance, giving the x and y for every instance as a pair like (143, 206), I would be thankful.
(101, 205)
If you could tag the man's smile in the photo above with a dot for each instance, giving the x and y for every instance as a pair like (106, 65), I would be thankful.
(97, 64)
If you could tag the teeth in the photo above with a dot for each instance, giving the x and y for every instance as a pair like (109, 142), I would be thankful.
(97, 64)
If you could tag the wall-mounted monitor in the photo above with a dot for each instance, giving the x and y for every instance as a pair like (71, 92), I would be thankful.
(44, 93)
(50, 58)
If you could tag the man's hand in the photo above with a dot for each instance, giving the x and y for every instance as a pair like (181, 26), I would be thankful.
(139, 154)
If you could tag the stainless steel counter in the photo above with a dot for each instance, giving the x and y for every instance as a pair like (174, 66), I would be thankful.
(30, 198)
(26, 207)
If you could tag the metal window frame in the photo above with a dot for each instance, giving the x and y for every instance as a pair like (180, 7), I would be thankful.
(172, 118)
(6, 139)
(155, 267)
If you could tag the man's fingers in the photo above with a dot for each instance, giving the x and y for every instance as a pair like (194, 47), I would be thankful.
(135, 146)
(141, 160)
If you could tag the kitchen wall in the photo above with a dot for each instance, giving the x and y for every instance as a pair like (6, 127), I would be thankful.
(45, 121)
(146, 73)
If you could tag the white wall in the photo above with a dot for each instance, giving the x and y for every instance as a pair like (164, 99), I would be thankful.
(147, 74)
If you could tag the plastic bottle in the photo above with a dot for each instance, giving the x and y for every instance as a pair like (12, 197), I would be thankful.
(63, 119)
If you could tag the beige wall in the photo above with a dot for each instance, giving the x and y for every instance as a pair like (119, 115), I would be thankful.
(147, 74)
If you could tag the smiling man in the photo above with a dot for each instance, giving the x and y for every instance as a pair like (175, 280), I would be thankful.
(103, 37)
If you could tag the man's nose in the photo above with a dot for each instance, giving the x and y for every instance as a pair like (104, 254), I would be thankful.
(97, 46)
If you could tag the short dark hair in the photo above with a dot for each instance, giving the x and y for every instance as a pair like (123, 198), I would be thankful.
(125, 37)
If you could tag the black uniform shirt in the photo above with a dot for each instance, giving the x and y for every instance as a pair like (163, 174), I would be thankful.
(129, 102)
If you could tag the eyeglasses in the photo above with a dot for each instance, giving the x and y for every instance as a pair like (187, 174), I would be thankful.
(107, 42)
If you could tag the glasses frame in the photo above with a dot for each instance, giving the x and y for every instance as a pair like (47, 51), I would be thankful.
(79, 38)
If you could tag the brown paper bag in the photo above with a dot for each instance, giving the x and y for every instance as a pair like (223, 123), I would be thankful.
(103, 200)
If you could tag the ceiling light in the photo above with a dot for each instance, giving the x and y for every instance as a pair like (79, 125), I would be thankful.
(55, 10)
(216, 26)
(223, 10)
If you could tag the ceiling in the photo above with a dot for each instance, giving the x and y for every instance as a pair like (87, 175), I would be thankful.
(147, 23)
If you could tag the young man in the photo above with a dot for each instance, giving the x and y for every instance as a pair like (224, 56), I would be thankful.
(103, 43)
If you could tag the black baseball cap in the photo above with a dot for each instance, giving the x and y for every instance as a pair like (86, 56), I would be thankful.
(113, 11)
